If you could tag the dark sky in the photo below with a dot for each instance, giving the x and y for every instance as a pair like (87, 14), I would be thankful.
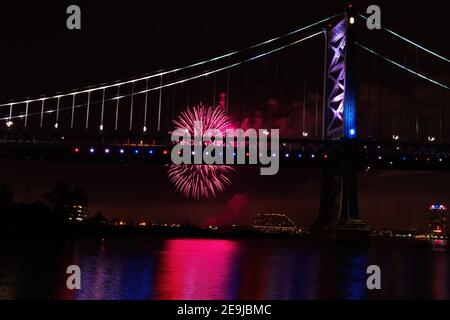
(124, 39)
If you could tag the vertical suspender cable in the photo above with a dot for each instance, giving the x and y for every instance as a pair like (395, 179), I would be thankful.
(57, 112)
(131, 106)
(266, 80)
(42, 112)
(441, 133)
(87, 110)
(159, 103)
(201, 87)
(117, 108)
(316, 112)
(304, 105)
(103, 109)
(26, 113)
(214, 89)
(144, 128)
(174, 96)
(228, 91)
(73, 111)
(325, 78)
(415, 102)
(430, 113)
(369, 85)
(401, 105)
(187, 95)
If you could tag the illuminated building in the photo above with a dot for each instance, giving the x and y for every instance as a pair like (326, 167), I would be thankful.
(78, 213)
(274, 223)
(438, 220)
(118, 222)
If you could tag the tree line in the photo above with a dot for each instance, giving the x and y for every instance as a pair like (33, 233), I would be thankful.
(53, 209)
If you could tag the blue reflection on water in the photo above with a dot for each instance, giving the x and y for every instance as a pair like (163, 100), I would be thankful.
(222, 269)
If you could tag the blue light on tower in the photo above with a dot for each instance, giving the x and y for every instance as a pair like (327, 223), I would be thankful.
(349, 111)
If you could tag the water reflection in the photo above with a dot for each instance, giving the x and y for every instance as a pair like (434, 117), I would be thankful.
(440, 281)
(222, 269)
(117, 273)
(352, 273)
(195, 269)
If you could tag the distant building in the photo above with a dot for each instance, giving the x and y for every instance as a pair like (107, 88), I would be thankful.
(78, 213)
(274, 223)
(118, 222)
(438, 220)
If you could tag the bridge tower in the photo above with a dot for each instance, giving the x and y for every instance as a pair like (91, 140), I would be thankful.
(338, 214)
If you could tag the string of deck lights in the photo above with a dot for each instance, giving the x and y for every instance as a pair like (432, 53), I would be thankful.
(297, 156)
(164, 151)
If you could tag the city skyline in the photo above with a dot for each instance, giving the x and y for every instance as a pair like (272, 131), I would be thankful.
(237, 205)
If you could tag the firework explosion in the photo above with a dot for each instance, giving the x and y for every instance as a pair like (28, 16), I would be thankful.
(210, 117)
(201, 181)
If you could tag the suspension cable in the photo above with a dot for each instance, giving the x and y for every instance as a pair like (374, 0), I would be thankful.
(420, 75)
(165, 72)
(410, 41)
(182, 81)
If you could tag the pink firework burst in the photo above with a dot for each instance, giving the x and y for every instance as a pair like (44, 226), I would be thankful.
(211, 118)
(201, 181)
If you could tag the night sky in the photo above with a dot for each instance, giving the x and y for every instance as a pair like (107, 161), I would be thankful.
(126, 39)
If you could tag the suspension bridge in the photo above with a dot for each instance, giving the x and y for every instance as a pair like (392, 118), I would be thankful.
(348, 106)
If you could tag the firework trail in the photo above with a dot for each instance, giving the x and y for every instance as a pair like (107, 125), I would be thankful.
(201, 181)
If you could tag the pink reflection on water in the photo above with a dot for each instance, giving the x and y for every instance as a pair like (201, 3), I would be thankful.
(440, 271)
(195, 269)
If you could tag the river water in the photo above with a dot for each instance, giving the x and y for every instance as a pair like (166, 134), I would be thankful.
(149, 268)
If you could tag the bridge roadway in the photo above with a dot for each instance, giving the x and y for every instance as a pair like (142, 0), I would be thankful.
(397, 155)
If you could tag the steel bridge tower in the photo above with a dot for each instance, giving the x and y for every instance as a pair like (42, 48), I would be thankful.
(338, 214)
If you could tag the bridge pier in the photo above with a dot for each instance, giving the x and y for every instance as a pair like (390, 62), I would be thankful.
(338, 214)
